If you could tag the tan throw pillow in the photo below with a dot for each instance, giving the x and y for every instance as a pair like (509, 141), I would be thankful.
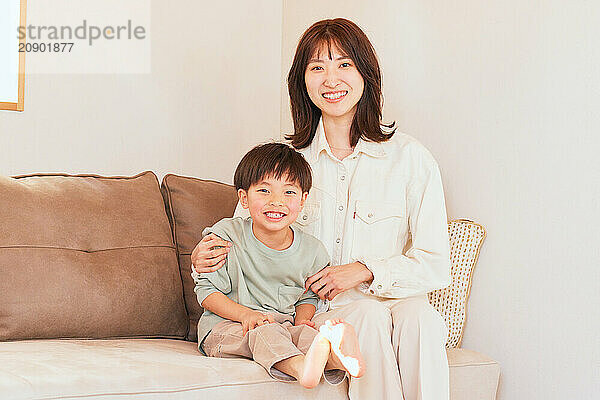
(466, 238)
(193, 204)
(87, 256)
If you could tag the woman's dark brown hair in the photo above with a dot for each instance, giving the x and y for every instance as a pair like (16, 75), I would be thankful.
(349, 39)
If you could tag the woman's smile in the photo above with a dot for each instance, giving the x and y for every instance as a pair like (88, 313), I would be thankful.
(334, 97)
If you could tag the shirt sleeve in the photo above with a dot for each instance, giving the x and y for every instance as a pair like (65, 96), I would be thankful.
(426, 264)
(322, 260)
(216, 281)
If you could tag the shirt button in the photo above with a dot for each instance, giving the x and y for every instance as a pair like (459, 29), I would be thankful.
(305, 217)
(338, 240)
(379, 287)
(341, 208)
(342, 177)
(370, 215)
(371, 291)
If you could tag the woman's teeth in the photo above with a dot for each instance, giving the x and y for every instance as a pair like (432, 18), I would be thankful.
(335, 95)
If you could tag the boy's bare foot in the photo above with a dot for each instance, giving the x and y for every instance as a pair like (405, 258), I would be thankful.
(344, 345)
(314, 362)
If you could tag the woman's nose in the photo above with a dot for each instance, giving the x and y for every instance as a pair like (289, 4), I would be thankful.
(331, 79)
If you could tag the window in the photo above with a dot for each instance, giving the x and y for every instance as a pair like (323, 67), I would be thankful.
(12, 62)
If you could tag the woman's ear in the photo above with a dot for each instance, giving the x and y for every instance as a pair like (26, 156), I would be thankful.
(243, 196)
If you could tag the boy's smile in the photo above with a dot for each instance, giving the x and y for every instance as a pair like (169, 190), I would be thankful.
(274, 204)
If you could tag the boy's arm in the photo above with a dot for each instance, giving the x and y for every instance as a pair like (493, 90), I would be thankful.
(226, 308)
(304, 314)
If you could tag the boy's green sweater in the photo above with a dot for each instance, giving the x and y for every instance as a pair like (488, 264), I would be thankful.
(257, 276)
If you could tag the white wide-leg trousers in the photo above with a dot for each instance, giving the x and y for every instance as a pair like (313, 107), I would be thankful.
(403, 344)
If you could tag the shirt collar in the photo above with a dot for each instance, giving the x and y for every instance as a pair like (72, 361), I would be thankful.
(320, 145)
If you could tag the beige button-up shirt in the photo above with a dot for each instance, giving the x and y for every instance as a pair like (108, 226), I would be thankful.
(384, 206)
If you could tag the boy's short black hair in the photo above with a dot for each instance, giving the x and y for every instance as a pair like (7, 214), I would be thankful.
(272, 160)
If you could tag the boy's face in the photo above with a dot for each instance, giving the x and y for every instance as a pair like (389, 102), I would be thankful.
(274, 204)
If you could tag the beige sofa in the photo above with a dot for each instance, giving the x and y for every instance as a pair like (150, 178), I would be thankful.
(96, 298)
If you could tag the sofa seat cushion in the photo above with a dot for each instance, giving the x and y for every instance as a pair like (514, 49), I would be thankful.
(137, 368)
(173, 369)
(472, 375)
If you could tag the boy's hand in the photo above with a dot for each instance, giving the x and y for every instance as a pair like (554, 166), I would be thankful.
(253, 318)
(304, 322)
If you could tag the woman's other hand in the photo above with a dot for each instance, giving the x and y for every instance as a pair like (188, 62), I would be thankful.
(333, 280)
(206, 258)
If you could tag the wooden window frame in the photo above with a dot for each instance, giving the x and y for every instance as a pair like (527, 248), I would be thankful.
(20, 105)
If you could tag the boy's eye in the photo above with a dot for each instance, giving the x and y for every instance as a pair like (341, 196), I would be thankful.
(290, 192)
(263, 190)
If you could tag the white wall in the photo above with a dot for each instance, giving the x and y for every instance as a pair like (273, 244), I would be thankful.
(213, 92)
(506, 95)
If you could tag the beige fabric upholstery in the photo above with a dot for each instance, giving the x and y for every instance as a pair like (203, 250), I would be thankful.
(466, 238)
(472, 375)
(173, 369)
(87, 257)
(193, 204)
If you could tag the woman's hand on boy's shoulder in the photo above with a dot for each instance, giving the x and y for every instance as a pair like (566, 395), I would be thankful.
(210, 254)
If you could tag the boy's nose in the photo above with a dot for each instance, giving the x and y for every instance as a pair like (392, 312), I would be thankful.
(276, 202)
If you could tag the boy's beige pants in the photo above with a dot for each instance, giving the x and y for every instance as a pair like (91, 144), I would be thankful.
(403, 344)
(266, 344)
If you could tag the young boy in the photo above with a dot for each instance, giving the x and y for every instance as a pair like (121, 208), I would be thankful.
(255, 305)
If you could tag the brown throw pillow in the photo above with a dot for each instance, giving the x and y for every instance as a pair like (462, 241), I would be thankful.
(85, 256)
(192, 205)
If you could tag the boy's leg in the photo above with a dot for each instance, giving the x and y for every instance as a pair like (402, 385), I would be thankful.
(271, 343)
(308, 368)
(274, 347)
(225, 340)
(345, 348)
(303, 336)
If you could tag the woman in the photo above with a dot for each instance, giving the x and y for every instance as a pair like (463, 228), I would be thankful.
(377, 204)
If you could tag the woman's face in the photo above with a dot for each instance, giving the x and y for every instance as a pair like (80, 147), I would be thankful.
(334, 85)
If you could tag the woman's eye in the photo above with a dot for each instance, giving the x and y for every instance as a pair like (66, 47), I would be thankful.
(345, 64)
(316, 68)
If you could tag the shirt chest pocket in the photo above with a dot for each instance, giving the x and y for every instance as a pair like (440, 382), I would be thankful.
(378, 228)
(288, 296)
(308, 219)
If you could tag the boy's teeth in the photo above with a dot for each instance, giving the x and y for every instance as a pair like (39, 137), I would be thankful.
(274, 215)
(333, 96)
